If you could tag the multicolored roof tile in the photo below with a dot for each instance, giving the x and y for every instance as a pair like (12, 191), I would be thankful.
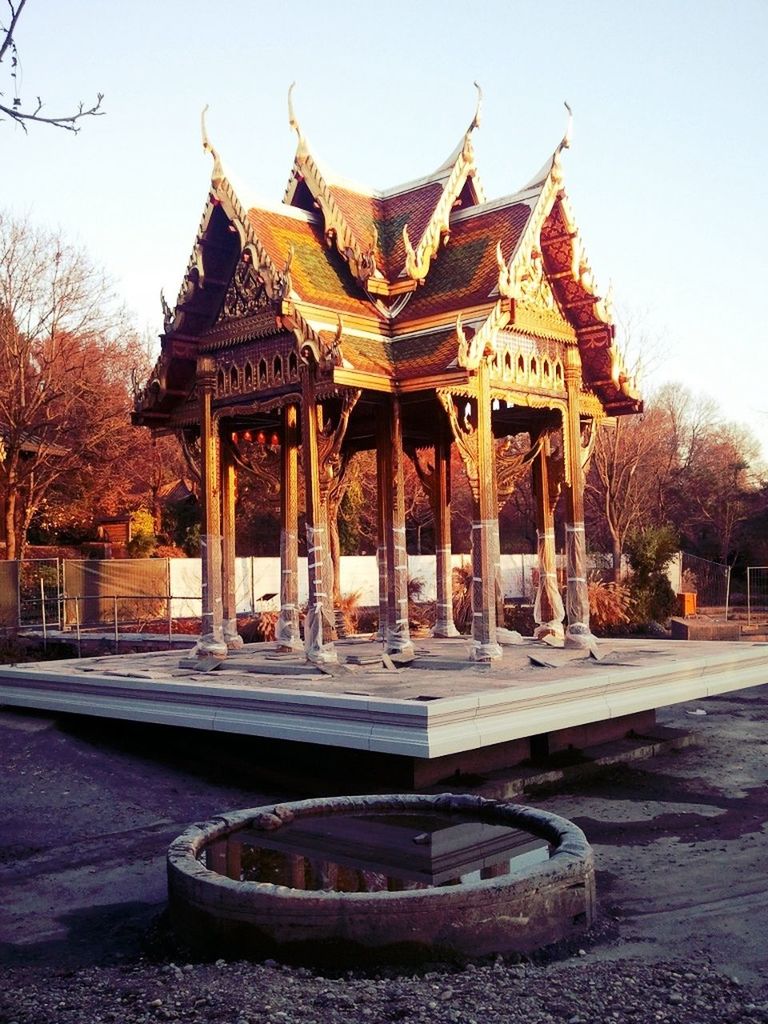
(386, 275)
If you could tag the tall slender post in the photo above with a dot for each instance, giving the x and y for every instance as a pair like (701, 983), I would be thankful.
(287, 628)
(485, 646)
(397, 639)
(318, 625)
(211, 642)
(495, 537)
(548, 611)
(231, 637)
(382, 491)
(578, 633)
(444, 624)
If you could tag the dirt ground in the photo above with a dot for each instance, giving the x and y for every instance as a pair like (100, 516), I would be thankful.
(88, 808)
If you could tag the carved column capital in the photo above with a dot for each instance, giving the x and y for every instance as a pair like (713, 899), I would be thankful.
(205, 373)
(572, 368)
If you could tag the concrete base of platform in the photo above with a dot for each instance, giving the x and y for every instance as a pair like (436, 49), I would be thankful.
(407, 727)
(704, 629)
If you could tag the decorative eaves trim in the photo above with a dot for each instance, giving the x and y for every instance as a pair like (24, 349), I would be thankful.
(419, 258)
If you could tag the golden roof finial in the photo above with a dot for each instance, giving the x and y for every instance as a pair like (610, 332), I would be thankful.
(293, 121)
(475, 122)
(566, 140)
(218, 171)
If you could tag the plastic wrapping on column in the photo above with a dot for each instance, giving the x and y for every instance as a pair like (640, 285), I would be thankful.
(211, 641)
(398, 638)
(232, 638)
(287, 626)
(314, 623)
(381, 565)
(444, 625)
(548, 610)
(576, 594)
(505, 637)
(487, 649)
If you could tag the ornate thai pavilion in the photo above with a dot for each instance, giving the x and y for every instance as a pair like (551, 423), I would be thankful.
(401, 321)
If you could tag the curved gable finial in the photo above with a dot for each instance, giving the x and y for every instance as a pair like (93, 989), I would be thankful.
(566, 140)
(217, 173)
(475, 122)
(293, 121)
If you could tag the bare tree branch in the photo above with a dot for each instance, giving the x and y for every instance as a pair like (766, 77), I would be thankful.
(14, 112)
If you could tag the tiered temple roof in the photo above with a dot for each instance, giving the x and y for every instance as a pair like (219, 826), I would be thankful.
(376, 282)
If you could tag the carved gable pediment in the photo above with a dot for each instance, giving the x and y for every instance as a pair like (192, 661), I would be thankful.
(246, 294)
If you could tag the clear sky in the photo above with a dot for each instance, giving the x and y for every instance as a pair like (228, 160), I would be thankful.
(666, 172)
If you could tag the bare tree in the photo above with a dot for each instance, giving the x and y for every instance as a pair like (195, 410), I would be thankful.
(622, 485)
(65, 361)
(14, 109)
(633, 455)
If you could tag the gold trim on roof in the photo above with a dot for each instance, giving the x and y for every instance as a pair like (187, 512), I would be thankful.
(418, 259)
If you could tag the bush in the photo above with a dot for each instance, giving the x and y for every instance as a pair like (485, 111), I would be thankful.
(168, 551)
(649, 552)
(610, 605)
(259, 628)
(143, 540)
(520, 617)
(348, 610)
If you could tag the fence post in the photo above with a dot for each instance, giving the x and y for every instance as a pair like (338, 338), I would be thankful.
(749, 599)
(117, 636)
(18, 592)
(170, 601)
(727, 590)
(77, 623)
(42, 607)
(59, 588)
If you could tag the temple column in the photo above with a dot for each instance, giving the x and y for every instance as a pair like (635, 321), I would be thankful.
(287, 628)
(441, 510)
(495, 538)
(578, 633)
(397, 638)
(381, 527)
(548, 611)
(211, 641)
(485, 646)
(318, 624)
(231, 637)
(435, 479)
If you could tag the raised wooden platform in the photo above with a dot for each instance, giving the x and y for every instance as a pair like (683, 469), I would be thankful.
(441, 713)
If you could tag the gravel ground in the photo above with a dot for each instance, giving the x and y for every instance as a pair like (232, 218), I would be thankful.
(681, 844)
(243, 993)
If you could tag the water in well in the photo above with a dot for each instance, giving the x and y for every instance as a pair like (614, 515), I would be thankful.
(375, 852)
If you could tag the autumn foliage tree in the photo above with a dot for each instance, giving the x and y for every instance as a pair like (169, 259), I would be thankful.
(678, 464)
(65, 373)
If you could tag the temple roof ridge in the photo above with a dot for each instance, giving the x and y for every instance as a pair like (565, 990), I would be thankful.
(553, 163)
(386, 247)
(309, 172)
(250, 200)
(528, 196)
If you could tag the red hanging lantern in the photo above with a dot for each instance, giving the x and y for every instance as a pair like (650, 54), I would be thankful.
(261, 437)
(247, 436)
(275, 441)
(234, 437)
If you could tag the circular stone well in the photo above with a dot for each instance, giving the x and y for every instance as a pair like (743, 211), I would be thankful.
(547, 896)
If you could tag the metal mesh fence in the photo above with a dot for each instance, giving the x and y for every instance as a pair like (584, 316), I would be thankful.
(133, 592)
(9, 594)
(39, 589)
(757, 594)
(709, 581)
